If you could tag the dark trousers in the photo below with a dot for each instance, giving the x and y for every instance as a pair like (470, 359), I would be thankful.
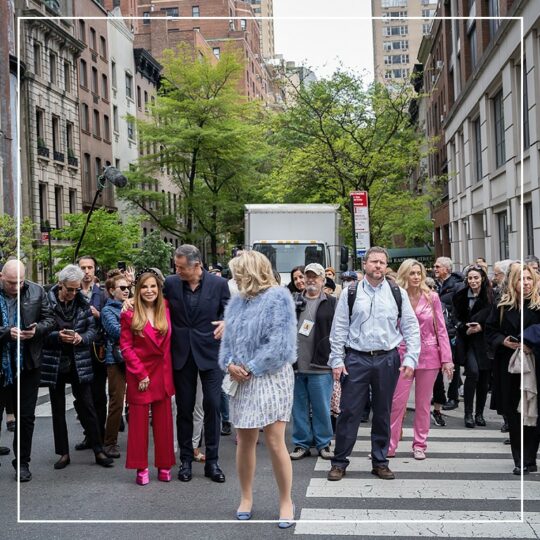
(439, 395)
(7, 399)
(86, 411)
(380, 373)
(185, 383)
(531, 438)
(455, 383)
(26, 416)
(476, 382)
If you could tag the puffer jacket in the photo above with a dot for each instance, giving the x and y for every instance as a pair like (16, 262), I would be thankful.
(110, 320)
(84, 325)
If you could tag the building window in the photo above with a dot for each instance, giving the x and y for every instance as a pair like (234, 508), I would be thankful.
(84, 74)
(243, 25)
(40, 128)
(502, 223)
(85, 120)
(426, 29)
(115, 118)
(96, 131)
(473, 45)
(395, 30)
(69, 139)
(106, 128)
(399, 45)
(477, 149)
(82, 31)
(72, 201)
(37, 59)
(117, 164)
(145, 101)
(195, 11)
(113, 74)
(498, 124)
(86, 169)
(393, 3)
(171, 12)
(56, 133)
(104, 87)
(493, 11)
(428, 13)
(526, 131)
(93, 39)
(98, 167)
(103, 47)
(529, 229)
(95, 81)
(59, 206)
(146, 17)
(129, 86)
(217, 52)
(67, 76)
(139, 97)
(130, 131)
(52, 68)
(43, 206)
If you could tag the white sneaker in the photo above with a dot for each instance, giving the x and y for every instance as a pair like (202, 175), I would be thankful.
(419, 454)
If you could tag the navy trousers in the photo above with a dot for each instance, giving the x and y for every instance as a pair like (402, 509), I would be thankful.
(380, 373)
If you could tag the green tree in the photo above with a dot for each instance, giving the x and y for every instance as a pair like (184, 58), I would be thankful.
(338, 137)
(154, 253)
(208, 138)
(107, 239)
(8, 238)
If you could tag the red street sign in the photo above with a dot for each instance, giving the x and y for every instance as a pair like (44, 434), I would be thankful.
(44, 236)
(360, 198)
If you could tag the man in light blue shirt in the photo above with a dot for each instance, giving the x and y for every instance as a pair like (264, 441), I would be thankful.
(364, 355)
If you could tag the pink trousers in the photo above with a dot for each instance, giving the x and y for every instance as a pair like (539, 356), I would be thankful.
(424, 380)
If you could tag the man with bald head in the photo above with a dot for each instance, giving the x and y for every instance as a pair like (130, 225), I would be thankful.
(33, 322)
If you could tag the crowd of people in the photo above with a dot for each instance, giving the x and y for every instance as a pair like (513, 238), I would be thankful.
(253, 354)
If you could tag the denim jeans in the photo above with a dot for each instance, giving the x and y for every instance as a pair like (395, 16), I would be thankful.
(312, 392)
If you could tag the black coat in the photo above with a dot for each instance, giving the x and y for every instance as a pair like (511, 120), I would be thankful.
(84, 324)
(321, 337)
(506, 392)
(34, 309)
(477, 342)
(195, 334)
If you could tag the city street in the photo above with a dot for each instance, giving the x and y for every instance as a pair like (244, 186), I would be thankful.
(466, 476)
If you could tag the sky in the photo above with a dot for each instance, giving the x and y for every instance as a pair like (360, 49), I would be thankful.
(324, 44)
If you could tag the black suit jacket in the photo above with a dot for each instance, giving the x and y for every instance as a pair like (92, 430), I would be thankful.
(195, 334)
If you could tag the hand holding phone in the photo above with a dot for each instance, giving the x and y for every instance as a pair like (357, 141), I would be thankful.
(29, 327)
(513, 339)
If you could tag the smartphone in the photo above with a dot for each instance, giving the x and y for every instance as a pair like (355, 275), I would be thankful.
(121, 265)
(30, 326)
(513, 339)
(69, 331)
(472, 324)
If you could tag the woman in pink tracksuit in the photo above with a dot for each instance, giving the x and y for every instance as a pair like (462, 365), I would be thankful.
(434, 355)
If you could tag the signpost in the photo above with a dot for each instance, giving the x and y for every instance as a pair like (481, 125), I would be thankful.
(360, 207)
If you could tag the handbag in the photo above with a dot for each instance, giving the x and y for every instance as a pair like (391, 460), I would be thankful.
(229, 386)
(117, 354)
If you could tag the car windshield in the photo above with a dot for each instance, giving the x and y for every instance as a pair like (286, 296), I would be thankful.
(284, 257)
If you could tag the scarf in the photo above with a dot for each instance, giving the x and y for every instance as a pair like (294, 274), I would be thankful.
(10, 350)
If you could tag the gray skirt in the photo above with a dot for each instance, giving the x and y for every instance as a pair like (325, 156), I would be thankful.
(261, 401)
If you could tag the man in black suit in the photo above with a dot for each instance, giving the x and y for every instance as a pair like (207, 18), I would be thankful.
(197, 300)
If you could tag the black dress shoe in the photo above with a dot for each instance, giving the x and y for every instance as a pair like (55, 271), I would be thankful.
(504, 428)
(214, 473)
(226, 428)
(532, 468)
(4, 450)
(479, 420)
(103, 460)
(63, 462)
(517, 470)
(450, 405)
(184, 473)
(469, 421)
(83, 445)
(25, 475)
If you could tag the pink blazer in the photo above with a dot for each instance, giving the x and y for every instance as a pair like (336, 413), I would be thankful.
(429, 354)
(148, 355)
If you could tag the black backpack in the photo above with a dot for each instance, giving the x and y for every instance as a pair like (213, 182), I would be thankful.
(396, 293)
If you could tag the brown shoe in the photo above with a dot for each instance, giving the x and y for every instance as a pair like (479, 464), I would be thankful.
(336, 473)
(383, 472)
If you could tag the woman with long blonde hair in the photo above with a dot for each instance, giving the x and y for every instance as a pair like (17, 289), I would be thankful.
(145, 342)
(434, 355)
(257, 351)
(503, 329)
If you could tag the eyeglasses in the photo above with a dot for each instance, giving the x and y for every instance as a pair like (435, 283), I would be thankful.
(123, 287)
(71, 289)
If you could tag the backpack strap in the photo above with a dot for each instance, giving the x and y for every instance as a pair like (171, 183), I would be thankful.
(351, 297)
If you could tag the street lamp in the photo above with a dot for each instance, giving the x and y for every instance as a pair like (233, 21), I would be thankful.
(115, 177)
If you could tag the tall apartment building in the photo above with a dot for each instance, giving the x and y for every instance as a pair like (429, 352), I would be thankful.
(50, 143)
(94, 100)
(396, 39)
(473, 75)
(265, 8)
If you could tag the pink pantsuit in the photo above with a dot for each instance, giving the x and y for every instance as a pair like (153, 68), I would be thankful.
(430, 316)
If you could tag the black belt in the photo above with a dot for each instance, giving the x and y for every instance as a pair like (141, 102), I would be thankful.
(371, 353)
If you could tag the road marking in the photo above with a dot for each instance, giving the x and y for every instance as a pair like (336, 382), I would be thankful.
(445, 447)
(448, 433)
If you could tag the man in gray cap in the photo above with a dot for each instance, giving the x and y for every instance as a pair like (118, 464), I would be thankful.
(313, 377)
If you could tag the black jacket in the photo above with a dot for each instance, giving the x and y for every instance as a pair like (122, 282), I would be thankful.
(83, 323)
(479, 313)
(34, 309)
(321, 338)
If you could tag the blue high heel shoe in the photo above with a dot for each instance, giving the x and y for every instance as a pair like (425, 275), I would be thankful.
(285, 523)
(244, 516)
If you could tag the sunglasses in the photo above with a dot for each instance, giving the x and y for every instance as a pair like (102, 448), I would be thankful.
(123, 287)
(71, 289)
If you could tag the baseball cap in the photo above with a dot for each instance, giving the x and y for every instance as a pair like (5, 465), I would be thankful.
(316, 268)
(349, 275)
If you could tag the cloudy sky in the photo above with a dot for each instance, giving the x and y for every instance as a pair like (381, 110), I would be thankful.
(339, 37)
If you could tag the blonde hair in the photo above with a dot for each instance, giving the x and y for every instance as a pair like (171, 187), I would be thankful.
(252, 272)
(403, 276)
(510, 297)
(139, 314)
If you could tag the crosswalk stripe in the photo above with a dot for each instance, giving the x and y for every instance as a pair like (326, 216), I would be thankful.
(447, 433)
(44, 410)
(463, 529)
(410, 465)
(446, 447)
(367, 488)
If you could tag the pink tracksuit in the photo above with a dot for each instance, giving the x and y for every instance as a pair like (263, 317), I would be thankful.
(429, 364)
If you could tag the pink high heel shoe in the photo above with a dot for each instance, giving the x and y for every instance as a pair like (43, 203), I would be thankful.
(142, 477)
(164, 475)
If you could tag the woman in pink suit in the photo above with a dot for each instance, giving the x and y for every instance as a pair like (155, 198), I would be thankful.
(145, 341)
(434, 355)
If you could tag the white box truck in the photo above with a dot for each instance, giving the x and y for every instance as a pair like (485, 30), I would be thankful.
(296, 234)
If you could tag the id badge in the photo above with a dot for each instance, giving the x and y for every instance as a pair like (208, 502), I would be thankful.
(306, 327)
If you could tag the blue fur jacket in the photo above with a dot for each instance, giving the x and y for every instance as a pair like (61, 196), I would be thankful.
(260, 332)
